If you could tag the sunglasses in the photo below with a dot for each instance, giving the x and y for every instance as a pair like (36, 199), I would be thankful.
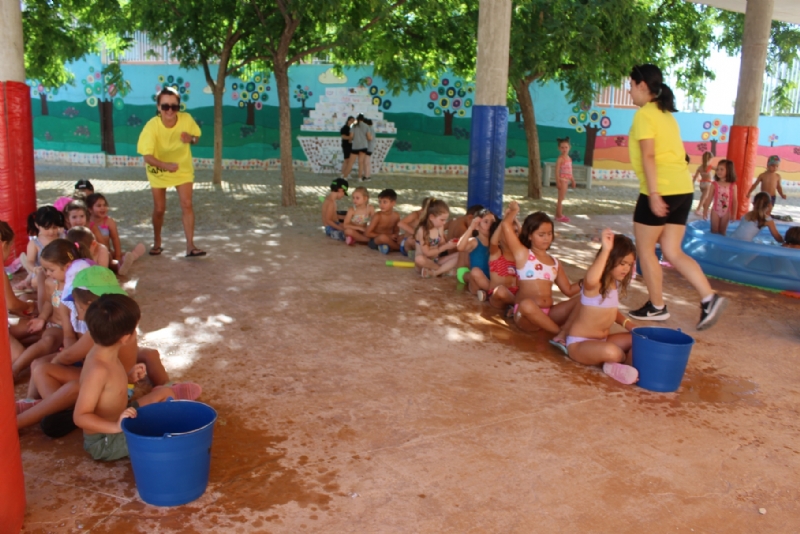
(173, 107)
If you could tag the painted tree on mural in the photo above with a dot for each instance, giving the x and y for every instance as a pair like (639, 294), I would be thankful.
(449, 99)
(590, 121)
(251, 92)
(40, 90)
(772, 139)
(176, 82)
(301, 94)
(106, 90)
(714, 131)
(378, 95)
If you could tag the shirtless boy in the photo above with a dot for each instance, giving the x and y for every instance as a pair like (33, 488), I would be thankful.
(103, 397)
(459, 225)
(382, 230)
(770, 180)
(330, 218)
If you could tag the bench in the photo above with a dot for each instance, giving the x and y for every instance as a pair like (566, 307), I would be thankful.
(582, 174)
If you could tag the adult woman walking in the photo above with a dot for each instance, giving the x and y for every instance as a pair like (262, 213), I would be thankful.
(665, 200)
(165, 143)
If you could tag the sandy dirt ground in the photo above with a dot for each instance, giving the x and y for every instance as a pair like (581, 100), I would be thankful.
(355, 397)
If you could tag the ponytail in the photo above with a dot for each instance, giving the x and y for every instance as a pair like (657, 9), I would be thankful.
(662, 94)
(44, 217)
(61, 252)
(83, 238)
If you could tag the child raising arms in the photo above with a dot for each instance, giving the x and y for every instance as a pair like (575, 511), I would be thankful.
(358, 217)
(502, 269)
(703, 172)
(724, 197)
(563, 176)
(431, 241)
(537, 271)
(588, 340)
(474, 242)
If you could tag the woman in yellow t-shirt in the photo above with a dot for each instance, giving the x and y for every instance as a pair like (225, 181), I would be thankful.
(165, 143)
(665, 196)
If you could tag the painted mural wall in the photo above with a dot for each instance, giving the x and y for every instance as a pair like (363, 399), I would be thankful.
(91, 122)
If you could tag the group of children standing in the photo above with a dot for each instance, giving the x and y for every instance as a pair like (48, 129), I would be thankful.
(508, 265)
(77, 341)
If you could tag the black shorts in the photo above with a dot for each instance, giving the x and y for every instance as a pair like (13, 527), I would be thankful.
(359, 150)
(679, 207)
(368, 153)
(346, 150)
(372, 244)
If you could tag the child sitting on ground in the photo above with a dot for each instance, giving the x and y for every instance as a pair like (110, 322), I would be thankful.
(753, 221)
(408, 227)
(98, 252)
(83, 188)
(563, 176)
(770, 180)
(502, 270)
(382, 232)
(102, 401)
(589, 340)
(106, 233)
(431, 242)
(330, 219)
(76, 214)
(358, 217)
(457, 226)
(44, 225)
(792, 237)
(474, 243)
(13, 303)
(724, 197)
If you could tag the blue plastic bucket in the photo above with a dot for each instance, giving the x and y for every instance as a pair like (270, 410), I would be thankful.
(660, 355)
(170, 448)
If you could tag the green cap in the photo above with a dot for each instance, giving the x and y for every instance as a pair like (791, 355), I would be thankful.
(98, 280)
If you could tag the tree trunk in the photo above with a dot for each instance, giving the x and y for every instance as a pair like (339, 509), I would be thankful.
(43, 98)
(531, 137)
(251, 114)
(713, 147)
(288, 196)
(448, 122)
(111, 146)
(591, 137)
(219, 92)
(518, 114)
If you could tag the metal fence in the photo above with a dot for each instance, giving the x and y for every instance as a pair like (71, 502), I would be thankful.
(142, 51)
(790, 73)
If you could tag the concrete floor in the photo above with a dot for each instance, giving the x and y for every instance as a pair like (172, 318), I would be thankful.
(355, 397)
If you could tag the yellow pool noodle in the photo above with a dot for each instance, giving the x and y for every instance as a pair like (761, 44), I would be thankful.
(391, 263)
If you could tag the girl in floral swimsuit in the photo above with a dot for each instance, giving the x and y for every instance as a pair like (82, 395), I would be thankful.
(358, 217)
(537, 271)
(724, 197)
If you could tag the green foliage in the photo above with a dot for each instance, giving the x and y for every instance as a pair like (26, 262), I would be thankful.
(59, 31)
(107, 84)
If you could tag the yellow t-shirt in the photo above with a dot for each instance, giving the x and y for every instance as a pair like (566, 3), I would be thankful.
(649, 122)
(166, 145)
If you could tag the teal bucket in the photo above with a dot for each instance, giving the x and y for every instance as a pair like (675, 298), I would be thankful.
(170, 448)
(660, 355)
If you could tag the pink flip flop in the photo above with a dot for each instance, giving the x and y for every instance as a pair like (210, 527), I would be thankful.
(621, 372)
(26, 404)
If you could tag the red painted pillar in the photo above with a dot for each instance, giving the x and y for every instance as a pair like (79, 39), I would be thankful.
(12, 483)
(742, 150)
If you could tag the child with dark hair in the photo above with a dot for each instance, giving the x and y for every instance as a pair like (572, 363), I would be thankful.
(106, 233)
(13, 304)
(792, 237)
(502, 269)
(564, 176)
(44, 225)
(90, 248)
(83, 188)
(102, 401)
(753, 221)
(458, 225)
(770, 180)
(537, 271)
(330, 217)
(474, 245)
(76, 214)
(382, 232)
(703, 173)
(724, 197)
(589, 340)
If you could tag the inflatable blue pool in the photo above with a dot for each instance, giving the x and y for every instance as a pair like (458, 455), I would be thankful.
(761, 263)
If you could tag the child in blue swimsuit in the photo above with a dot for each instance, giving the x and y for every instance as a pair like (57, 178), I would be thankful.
(475, 243)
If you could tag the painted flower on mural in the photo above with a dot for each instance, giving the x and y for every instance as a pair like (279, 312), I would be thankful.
(590, 121)
(251, 92)
(379, 98)
(714, 131)
(451, 98)
(176, 82)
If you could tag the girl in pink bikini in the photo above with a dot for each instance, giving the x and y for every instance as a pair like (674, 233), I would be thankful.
(723, 197)
(105, 232)
(589, 340)
(563, 176)
(537, 271)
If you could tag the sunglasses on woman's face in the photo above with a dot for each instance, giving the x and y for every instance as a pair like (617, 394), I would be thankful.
(168, 107)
